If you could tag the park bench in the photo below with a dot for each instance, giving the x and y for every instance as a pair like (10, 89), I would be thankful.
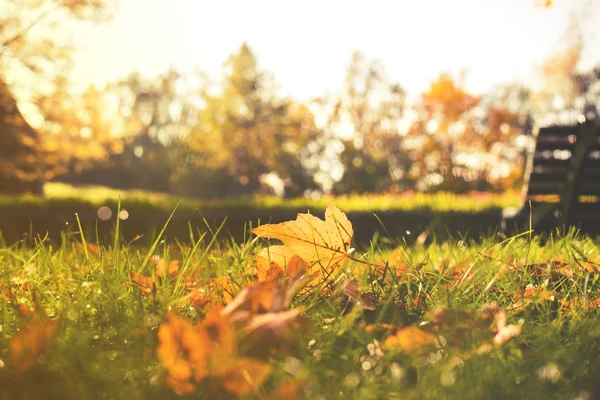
(562, 181)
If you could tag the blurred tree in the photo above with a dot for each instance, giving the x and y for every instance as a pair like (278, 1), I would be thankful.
(160, 115)
(32, 33)
(139, 146)
(245, 132)
(461, 142)
(559, 89)
(588, 83)
(441, 131)
(20, 165)
(566, 91)
(504, 127)
(33, 52)
(366, 118)
(78, 131)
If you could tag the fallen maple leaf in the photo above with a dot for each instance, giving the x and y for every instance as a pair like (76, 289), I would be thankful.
(324, 245)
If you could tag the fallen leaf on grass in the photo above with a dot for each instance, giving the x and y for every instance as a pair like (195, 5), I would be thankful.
(409, 340)
(288, 390)
(145, 283)
(33, 338)
(5, 292)
(212, 291)
(182, 351)
(323, 244)
(166, 271)
(244, 375)
(366, 301)
(479, 330)
(224, 346)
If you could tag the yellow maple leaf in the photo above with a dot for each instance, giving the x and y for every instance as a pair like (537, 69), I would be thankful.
(323, 244)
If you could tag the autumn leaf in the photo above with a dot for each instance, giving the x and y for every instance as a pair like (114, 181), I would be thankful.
(267, 296)
(355, 296)
(5, 293)
(221, 335)
(182, 350)
(323, 244)
(288, 389)
(213, 291)
(409, 340)
(191, 353)
(282, 263)
(145, 283)
(164, 271)
(481, 329)
(243, 376)
(33, 338)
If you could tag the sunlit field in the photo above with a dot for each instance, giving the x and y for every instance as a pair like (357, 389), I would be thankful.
(501, 318)
(96, 196)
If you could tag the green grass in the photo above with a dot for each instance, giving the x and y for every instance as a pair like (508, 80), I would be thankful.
(64, 197)
(107, 340)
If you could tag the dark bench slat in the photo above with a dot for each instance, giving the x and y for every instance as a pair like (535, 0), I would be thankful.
(590, 189)
(587, 211)
(564, 176)
(551, 162)
(543, 188)
(555, 146)
(591, 164)
(547, 177)
(592, 175)
(558, 131)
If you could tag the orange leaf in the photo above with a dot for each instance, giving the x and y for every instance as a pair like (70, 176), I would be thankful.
(267, 270)
(182, 350)
(409, 340)
(220, 334)
(31, 341)
(244, 376)
(5, 292)
(288, 390)
(164, 272)
(145, 283)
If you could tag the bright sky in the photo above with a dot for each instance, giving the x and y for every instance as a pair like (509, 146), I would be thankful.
(308, 44)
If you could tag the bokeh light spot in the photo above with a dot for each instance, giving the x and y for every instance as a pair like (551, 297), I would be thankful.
(104, 213)
(124, 214)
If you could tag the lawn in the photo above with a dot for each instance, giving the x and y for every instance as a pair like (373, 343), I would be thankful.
(59, 196)
(498, 318)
